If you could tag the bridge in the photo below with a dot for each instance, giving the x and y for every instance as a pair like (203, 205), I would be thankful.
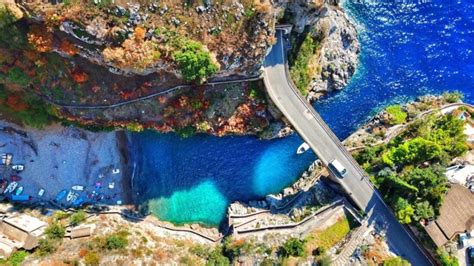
(311, 127)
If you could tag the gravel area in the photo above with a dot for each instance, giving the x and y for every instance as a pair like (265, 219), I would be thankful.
(57, 158)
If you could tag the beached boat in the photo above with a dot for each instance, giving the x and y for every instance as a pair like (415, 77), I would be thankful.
(78, 188)
(302, 148)
(61, 195)
(11, 187)
(70, 195)
(77, 202)
(19, 191)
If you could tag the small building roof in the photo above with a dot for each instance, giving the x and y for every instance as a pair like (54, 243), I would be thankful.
(82, 231)
(25, 223)
(456, 215)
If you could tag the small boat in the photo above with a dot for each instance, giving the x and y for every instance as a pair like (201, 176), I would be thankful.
(302, 148)
(61, 195)
(19, 191)
(77, 202)
(4, 158)
(115, 171)
(111, 185)
(11, 187)
(9, 159)
(41, 192)
(78, 188)
(18, 167)
(70, 195)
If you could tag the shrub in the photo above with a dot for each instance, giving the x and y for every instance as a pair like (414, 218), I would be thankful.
(46, 246)
(453, 97)
(446, 258)
(404, 211)
(92, 258)
(293, 247)
(194, 62)
(116, 242)
(17, 76)
(396, 261)
(55, 231)
(77, 218)
(186, 132)
(15, 259)
(397, 115)
(217, 258)
(300, 72)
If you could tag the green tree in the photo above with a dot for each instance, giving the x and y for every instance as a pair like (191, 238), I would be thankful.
(216, 258)
(404, 211)
(55, 231)
(412, 151)
(77, 218)
(194, 62)
(453, 97)
(396, 114)
(293, 247)
(446, 258)
(17, 76)
(432, 184)
(396, 261)
(116, 241)
(423, 210)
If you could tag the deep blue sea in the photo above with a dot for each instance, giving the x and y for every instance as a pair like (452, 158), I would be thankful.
(408, 49)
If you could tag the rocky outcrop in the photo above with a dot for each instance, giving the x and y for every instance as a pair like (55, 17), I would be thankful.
(339, 52)
(339, 48)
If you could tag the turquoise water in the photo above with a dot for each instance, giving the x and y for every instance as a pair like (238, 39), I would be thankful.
(407, 50)
(194, 179)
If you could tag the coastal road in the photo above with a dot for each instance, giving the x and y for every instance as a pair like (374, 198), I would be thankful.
(327, 147)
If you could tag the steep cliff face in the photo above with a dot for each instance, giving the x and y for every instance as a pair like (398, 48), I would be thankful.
(134, 38)
(336, 45)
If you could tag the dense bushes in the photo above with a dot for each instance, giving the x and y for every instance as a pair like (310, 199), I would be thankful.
(293, 247)
(300, 71)
(409, 171)
(194, 62)
(396, 114)
(77, 218)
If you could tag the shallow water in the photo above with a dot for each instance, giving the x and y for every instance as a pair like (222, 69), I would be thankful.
(408, 50)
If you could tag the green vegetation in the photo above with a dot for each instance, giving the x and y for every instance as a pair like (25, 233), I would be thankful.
(92, 258)
(453, 97)
(55, 231)
(446, 258)
(194, 61)
(326, 239)
(293, 247)
(116, 241)
(15, 259)
(397, 115)
(17, 76)
(396, 261)
(186, 132)
(409, 170)
(47, 246)
(77, 218)
(300, 69)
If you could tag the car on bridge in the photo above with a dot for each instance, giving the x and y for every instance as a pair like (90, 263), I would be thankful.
(337, 169)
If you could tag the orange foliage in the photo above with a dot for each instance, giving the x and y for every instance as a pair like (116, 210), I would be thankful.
(41, 39)
(139, 34)
(16, 103)
(79, 76)
(82, 252)
(68, 48)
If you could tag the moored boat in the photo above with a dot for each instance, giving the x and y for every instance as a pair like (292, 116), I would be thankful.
(302, 148)
(60, 195)
(19, 191)
(11, 187)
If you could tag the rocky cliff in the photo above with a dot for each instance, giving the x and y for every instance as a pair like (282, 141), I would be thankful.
(338, 47)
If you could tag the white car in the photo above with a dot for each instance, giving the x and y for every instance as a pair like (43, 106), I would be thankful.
(336, 167)
(18, 167)
(41, 192)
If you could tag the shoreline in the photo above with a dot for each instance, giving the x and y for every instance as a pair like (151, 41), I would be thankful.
(125, 158)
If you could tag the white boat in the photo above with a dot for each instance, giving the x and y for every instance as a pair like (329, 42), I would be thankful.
(11, 187)
(70, 195)
(302, 148)
(116, 171)
(4, 158)
(111, 185)
(41, 192)
(78, 188)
